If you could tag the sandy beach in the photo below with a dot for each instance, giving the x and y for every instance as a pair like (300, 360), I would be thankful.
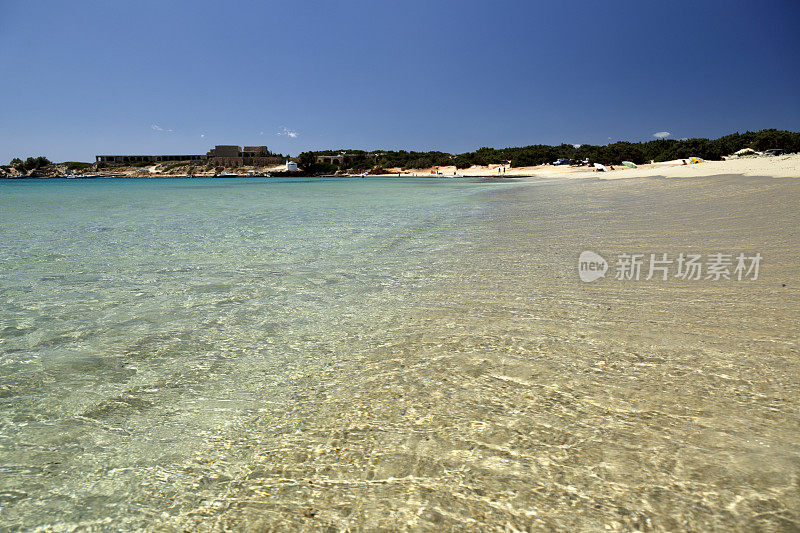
(785, 166)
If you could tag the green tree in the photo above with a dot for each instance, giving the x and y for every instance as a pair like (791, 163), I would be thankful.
(33, 163)
(461, 162)
(306, 159)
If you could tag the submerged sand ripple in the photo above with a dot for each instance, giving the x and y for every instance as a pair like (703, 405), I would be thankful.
(446, 373)
(516, 398)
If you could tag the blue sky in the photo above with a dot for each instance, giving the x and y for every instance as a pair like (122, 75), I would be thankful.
(82, 78)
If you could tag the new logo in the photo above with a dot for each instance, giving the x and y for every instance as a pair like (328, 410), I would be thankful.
(591, 266)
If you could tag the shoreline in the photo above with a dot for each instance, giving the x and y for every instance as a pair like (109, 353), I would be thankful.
(785, 166)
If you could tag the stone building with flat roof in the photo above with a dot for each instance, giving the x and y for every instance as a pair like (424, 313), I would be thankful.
(343, 157)
(229, 155)
(255, 151)
(127, 159)
(225, 150)
(224, 155)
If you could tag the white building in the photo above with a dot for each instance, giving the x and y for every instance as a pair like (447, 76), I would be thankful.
(291, 166)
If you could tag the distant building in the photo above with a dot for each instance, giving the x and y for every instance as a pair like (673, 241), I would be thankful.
(255, 151)
(224, 155)
(228, 155)
(225, 150)
(146, 158)
(342, 157)
(291, 166)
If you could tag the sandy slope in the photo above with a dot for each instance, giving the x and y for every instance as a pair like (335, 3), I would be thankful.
(778, 167)
(787, 166)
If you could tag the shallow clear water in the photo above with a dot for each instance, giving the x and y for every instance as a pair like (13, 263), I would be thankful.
(144, 320)
(378, 353)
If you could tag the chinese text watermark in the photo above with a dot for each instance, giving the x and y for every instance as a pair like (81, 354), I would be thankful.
(684, 266)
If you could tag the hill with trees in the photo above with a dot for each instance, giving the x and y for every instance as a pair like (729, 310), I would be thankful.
(539, 154)
(377, 161)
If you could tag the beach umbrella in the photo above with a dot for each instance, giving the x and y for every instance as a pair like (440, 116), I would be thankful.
(629, 164)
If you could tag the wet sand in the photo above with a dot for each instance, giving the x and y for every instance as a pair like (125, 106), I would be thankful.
(510, 395)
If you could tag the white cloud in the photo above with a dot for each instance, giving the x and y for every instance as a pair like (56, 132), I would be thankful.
(156, 127)
(661, 134)
(288, 133)
(202, 135)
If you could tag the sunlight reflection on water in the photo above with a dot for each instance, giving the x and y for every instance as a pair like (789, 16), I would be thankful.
(393, 354)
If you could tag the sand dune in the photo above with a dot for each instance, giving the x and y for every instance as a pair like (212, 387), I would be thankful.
(787, 166)
(778, 167)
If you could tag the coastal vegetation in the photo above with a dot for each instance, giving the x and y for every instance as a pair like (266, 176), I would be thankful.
(32, 163)
(378, 161)
(77, 165)
(539, 154)
(173, 166)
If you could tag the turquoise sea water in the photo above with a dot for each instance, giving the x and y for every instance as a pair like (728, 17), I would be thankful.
(384, 354)
(144, 320)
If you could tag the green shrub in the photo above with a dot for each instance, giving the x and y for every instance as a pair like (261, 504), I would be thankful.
(32, 163)
(320, 168)
(77, 165)
(461, 162)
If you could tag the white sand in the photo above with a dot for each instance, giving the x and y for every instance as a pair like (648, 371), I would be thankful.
(787, 166)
